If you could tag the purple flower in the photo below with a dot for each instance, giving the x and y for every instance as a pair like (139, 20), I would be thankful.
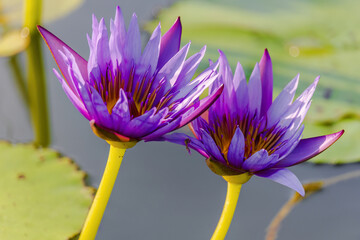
(246, 133)
(128, 94)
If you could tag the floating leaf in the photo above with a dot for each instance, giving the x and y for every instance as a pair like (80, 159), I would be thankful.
(43, 196)
(307, 37)
(13, 42)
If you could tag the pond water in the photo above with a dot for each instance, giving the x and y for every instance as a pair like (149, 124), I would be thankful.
(161, 191)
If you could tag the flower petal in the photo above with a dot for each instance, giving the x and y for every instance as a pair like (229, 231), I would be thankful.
(241, 90)
(189, 68)
(55, 45)
(282, 102)
(133, 40)
(255, 92)
(150, 54)
(199, 107)
(197, 124)
(266, 82)
(145, 124)
(294, 116)
(168, 127)
(188, 142)
(228, 96)
(211, 147)
(171, 70)
(117, 37)
(170, 43)
(236, 150)
(120, 112)
(99, 50)
(284, 177)
(102, 116)
(308, 148)
(259, 161)
(73, 98)
(290, 144)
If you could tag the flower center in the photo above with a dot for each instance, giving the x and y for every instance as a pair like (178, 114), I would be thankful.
(141, 93)
(256, 135)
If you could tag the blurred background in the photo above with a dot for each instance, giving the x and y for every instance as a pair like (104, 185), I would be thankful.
(162, 192)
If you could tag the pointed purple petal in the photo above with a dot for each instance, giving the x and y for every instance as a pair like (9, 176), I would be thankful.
(308, 148)
(197, 124)
(120, 112)
(290, 144)
(255, 92)
(102, 116)
(146, 123)
(211, 147)
(73, 98)
(228, 95)
(99, 49)
(117, 37)
(171, 70)
(132, 48)
(294, 116)
(284, 177)
(86, 99)
(259, 161)
(194, 88)
(169, 127)
(199, 107)
(150, 54)
(241, 90)
(55, 45)
(189, 142)
(189, 68)
(266, 82)
(170, 43)
(282, 102)
(236, 150)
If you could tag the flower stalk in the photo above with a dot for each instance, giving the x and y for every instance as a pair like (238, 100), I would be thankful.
(232, 196)
(36, 75)
(103, 193)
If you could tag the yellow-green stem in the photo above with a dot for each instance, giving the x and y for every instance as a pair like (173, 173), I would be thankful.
(232, 196)
(103, 193)
(36, 75)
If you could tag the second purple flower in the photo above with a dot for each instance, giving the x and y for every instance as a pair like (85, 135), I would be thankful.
(246, 133)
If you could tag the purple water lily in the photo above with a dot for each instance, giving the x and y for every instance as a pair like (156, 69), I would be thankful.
(245, 131)
(127, 94)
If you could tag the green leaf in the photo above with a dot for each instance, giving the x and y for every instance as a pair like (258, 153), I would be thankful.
(307, 37)
(43, 195)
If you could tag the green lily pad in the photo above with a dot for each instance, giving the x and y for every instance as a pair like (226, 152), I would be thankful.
(307, 37)
(43, 195)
